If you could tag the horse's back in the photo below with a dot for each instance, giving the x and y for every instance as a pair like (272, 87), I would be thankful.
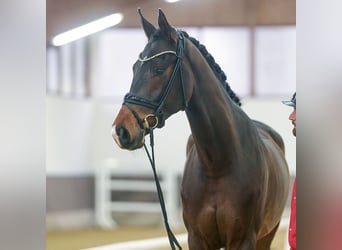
(274, 134)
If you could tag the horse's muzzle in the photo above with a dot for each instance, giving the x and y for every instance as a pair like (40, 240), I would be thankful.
(123, 138)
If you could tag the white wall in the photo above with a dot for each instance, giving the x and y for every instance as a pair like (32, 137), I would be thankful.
(230, 46)
(114, 52)
(275, 60)
(79, 136)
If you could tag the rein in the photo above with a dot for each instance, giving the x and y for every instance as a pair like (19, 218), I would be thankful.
(172, 238)
(157, 119)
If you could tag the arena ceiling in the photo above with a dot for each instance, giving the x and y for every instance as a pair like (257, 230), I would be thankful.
(62, 15)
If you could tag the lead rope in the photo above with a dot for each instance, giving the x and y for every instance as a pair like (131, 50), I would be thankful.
(171, 236)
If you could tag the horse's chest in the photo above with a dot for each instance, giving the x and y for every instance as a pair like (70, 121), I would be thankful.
(198, 189)
(203, 199)
(206, 209)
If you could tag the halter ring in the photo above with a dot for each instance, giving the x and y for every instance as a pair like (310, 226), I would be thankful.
(147, 122)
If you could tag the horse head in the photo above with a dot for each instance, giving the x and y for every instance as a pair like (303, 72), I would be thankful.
(157, 90)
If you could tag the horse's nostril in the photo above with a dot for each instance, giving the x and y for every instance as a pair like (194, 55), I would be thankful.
(123, 134)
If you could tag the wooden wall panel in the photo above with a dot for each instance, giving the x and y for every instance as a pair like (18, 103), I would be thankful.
(62, 15)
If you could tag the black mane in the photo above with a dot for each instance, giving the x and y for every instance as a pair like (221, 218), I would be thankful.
(211, 61)
(214, 66)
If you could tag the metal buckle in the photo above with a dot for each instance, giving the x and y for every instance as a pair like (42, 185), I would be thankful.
(150, 121)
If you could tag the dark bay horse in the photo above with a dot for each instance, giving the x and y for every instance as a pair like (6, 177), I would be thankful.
(235, 182)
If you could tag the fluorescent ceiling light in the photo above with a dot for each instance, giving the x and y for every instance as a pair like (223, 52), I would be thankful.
(87, 29)
(171, 1)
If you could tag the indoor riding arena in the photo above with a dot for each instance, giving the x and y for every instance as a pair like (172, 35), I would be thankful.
(101, 196)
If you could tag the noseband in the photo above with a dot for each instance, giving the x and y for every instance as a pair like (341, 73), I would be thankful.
(157, 119)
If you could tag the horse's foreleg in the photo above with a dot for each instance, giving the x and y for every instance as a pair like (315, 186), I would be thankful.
(247, 244)
(265, 242)
(194, 243)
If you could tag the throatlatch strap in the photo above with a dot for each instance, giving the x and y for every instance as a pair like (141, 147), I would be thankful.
(172, 239)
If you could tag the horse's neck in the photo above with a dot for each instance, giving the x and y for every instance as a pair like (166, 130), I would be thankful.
(212, 120)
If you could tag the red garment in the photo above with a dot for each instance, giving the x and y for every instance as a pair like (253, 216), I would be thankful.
(292, 228)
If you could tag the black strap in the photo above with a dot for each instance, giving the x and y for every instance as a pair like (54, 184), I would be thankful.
(158, 106)
(135, 99)
(135, 115)
(179, 54)
(172, 239)
(185, 102)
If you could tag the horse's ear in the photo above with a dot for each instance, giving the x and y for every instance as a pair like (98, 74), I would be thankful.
(165, 27)
(148, 27)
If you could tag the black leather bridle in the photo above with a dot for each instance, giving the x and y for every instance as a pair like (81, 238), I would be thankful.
(157, 119)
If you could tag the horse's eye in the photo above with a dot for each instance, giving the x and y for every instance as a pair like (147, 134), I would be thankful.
(159, 71)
